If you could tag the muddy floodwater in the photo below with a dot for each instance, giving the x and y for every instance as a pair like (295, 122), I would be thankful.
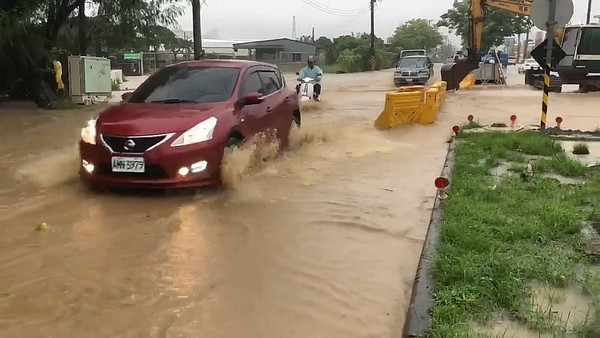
(321, 242)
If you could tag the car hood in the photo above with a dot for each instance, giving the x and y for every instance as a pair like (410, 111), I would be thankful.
(154, 118)
(410, 69)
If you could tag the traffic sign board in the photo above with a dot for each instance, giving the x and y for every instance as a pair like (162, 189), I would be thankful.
(132, 56)
(541, 8)
(539, 53)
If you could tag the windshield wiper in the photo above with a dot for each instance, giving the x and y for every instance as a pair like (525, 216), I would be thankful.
(171, 101)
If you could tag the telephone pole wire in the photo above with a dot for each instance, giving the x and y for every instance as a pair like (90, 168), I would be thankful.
(372, 35)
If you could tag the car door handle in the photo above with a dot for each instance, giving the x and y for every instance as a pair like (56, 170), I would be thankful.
(268, 109)
(287, 100)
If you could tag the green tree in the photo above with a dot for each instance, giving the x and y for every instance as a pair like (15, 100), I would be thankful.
(158, 36)
(30, 31)
(180, 46)
(498, 24)
(416, 34)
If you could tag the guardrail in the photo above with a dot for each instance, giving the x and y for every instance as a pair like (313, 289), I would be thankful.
(412, 104)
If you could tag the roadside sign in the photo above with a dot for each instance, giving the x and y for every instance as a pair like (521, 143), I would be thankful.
(540, 10)
(132, 56)
(539, 53)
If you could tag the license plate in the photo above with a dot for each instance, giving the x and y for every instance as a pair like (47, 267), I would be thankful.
(128, 164)
(409, 80)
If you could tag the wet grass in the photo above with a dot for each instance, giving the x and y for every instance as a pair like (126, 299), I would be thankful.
(471, 125)
(64, 103)
(495, 242)
(581, 149)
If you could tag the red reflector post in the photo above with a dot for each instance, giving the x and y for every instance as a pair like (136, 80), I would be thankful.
(441, 183)
(558, 121)
(470, 118)
(456, 129)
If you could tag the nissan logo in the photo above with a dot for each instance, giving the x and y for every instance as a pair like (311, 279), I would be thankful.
(129, 144)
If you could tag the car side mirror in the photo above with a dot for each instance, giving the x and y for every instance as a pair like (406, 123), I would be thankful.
(297, 73)
(126, 96)
(430, 65)
(251, 98)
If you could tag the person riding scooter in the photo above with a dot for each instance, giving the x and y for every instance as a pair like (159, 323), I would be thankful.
(314, 72)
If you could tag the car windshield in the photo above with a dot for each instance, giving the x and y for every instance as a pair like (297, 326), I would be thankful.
(530, 61)
(187, 84)
(413, 63)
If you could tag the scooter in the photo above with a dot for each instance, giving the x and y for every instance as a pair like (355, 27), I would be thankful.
(305, 90)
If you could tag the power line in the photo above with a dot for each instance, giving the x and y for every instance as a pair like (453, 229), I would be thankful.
(352, 19)
(333, 11)
(318, 5)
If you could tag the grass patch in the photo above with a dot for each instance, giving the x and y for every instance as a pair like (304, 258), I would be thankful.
(495, 242)
(581, 149)
(63, 103)
(115, 85)
(471, 125)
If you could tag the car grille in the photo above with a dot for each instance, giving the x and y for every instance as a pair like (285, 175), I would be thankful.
(153, 172)
(409, 73)
(118, 144)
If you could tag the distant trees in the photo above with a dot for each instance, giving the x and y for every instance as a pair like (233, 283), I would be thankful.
(416, 34)
(498, 24)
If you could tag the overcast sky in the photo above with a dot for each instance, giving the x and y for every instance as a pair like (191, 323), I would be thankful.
(264, 19)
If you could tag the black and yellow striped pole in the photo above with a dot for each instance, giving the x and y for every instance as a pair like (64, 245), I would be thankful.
(551, 26)
(372, 60)
(545, 97)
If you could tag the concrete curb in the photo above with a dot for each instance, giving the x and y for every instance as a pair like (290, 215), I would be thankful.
(418, 319)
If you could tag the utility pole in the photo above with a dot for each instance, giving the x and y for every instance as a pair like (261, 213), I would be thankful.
(313, 35)
(526, 47)
(589, 13)
(372, 35)
(198, 54)
(294, 28)
(518, 47)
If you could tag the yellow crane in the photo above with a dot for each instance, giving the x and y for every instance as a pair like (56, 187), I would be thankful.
(454, 73)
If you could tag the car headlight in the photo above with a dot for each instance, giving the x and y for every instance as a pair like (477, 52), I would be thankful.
(201, 132)
(88, 133)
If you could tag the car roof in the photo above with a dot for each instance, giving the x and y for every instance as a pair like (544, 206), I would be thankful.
(415, 57)
(219, 63)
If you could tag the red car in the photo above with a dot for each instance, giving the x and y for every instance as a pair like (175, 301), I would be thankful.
(172, 131)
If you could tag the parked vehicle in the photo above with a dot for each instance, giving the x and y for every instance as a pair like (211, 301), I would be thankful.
(172, 131)
(413, 70)
(528, 64)
(512, 60)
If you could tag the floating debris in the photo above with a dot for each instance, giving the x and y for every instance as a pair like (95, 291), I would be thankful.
(42, 227)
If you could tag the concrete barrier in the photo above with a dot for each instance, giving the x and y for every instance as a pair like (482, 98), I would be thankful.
(412, 104)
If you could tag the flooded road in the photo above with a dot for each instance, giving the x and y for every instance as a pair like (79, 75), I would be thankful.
(322, 242)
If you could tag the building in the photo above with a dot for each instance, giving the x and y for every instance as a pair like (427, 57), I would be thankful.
(539, 37)
(215, 48)
(278, 51)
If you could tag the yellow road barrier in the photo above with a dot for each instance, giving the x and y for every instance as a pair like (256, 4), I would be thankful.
(467, 82)
(412, 104)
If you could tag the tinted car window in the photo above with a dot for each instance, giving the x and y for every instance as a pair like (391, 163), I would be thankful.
(251, 84)
(188, 84)
(270, 82)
